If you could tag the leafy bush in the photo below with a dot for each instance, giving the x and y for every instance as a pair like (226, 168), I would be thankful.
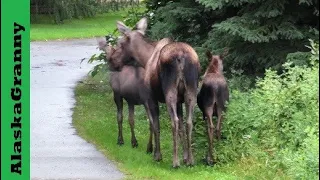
(102, 65)
(133, 15)
(238, 81)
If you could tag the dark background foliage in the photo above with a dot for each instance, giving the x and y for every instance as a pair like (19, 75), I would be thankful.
(259, 34)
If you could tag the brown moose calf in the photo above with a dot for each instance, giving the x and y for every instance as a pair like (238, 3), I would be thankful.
(212, 99)
(127, 82)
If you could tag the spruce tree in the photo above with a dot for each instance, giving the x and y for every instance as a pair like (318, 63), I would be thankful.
(259, 34)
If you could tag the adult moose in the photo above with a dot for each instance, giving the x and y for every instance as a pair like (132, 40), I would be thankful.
(127, 82)
(212, 97)
(172, 70)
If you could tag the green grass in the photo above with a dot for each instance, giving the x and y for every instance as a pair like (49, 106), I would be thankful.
(77, 28)
(95, 120)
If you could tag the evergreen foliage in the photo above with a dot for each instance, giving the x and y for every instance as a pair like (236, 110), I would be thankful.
(259, 34)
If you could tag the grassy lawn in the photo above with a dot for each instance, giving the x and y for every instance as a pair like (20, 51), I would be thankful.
(95, 120)
(77, 28)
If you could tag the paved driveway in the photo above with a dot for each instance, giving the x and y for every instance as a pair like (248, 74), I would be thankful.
(56, 150)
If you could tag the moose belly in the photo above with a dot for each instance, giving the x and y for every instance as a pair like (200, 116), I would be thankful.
(131, 92)
(132, 98)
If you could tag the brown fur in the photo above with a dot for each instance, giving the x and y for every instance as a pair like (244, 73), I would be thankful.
(213, 66)
(172, 74)
(211, 99)
(127, 83)
(152, 65)
(178, 49)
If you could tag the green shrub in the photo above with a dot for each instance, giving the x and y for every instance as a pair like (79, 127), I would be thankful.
(238, 81)
(278, 121)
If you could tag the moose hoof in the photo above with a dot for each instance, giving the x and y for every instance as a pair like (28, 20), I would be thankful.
(218, 135)
(149, 149)
(120, 142)
(157, 157)
(134, 144)
(210, 163)
(176, 166)
(185, 161)
(218, 138)
(190, 162)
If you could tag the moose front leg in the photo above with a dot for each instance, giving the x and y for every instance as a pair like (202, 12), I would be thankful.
(119, 103)
(134, 141)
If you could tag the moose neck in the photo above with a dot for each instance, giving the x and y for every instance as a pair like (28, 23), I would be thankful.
(142, 51)
(215, 66)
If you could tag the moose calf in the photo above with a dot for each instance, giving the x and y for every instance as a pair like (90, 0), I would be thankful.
(212, 99)
(127, 82)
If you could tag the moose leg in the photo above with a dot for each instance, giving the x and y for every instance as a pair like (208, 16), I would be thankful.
(210, 131)
(219, 122)
(154, 109)
(134, 141)
(119, 102)
(149, 146)
(182, 133)
(172, 109)
(190, 104)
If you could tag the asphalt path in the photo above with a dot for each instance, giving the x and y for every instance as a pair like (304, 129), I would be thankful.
(57, 152)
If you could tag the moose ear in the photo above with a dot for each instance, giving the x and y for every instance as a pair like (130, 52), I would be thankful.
(142, 25)
(209, 55)
(102, 43)
(224, 54)
(123, 29)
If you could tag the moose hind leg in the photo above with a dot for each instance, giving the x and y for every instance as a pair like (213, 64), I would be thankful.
(134, 141)
(190, 101)
(149, 146)
(210, 132)
(171, 101)
(119, 103)
(182, 133)
(219, 123)
(154, 110)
